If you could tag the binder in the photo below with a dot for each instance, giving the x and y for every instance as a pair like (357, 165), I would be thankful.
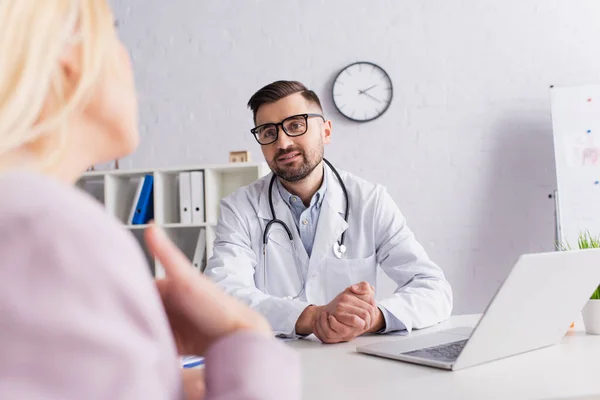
(136, 199)
(198, 259)
(144, 210)
(185, 198)
(197, 187)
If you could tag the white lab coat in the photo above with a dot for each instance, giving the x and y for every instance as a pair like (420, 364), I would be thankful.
(376, 235)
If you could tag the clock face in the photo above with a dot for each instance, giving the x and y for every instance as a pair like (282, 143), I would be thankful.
(362, 91)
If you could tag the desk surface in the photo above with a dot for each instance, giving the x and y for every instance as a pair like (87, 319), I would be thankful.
(570, 370)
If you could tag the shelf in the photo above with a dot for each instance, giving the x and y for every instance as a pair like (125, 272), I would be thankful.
(168, 205)
(93, 174)
(117, 191)
(171, 226)
(180, 225)
(222, 181)
(188, 239)
(137, 227)
(232, 167)
(120, 195)
(95, 186)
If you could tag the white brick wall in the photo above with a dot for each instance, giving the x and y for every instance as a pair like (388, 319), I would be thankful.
(466, 146)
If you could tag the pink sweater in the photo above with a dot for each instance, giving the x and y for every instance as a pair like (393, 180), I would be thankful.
(80, 317)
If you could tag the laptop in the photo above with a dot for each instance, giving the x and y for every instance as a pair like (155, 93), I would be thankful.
(533, 308)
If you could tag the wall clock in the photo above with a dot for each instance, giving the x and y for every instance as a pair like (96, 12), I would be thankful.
(362, 91)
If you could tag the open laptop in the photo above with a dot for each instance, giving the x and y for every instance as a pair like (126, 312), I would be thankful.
(534, 307)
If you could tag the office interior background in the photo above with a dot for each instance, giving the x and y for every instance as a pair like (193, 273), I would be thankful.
(466, 147)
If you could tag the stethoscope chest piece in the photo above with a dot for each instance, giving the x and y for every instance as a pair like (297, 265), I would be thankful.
(339, 250)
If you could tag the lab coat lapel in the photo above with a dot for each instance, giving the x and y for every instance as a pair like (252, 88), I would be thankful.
(284, 214)
(331, 223)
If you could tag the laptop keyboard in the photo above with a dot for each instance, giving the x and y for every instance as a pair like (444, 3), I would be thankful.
(445, 352)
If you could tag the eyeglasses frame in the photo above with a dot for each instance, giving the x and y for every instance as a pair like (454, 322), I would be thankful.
(277, 125)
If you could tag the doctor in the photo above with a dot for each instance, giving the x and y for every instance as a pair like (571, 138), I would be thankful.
(302, 245)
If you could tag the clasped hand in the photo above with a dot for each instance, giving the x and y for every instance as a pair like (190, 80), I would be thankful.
(350, 314)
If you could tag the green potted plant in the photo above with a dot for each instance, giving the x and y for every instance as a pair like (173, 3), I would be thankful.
(591, 310)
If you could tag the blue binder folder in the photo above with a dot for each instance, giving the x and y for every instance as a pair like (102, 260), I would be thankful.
(144, 210)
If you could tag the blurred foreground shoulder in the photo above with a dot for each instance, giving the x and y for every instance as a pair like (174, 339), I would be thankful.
(80, 316)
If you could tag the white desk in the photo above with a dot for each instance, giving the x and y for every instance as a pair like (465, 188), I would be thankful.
(566, 371)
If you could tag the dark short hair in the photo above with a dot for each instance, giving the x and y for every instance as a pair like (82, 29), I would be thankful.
(278, 90)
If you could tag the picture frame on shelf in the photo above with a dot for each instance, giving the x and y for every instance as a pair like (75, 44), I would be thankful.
(239, 156)
(105, 166)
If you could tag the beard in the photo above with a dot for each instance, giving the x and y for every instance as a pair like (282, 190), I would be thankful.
(290, 173)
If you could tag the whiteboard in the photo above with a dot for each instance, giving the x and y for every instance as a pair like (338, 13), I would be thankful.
(576, 133)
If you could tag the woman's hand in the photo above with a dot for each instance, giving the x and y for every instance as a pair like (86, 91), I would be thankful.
(194, 387)
(199, 312)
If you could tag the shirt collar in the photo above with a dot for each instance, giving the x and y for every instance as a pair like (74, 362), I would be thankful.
(294, 201)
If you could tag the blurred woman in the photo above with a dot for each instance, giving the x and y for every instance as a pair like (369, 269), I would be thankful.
(80, 316)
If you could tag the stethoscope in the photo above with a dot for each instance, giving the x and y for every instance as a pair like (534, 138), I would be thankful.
(339, 248)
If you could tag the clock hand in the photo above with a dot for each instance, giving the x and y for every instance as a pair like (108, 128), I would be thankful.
(366, 90)
(374, 98)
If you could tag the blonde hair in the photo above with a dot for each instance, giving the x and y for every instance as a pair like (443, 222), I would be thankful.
(34, 34)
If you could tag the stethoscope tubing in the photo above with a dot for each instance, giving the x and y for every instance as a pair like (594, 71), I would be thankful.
(274, 220)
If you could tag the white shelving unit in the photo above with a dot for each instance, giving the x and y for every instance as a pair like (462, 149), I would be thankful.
(116, 189)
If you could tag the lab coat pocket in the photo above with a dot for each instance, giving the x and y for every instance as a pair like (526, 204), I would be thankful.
(341, 273)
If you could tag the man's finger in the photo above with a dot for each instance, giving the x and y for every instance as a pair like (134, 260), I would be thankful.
(351, 320)
(355, 317)
(361, 288)
(339, 328)
(348, 334)
(373, 302)
(328, 333)
(319, 331)
(325, 329)
(363, 302)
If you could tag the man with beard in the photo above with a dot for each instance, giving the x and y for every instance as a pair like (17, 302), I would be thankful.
(303, 244)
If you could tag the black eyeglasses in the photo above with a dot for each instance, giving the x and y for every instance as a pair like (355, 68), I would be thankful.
(296, 125)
